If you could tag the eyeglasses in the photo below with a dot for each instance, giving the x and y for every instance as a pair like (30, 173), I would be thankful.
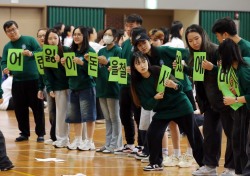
(41, 36)
(11, 30)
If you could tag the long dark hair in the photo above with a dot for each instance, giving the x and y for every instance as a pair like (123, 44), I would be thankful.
(60, 48)
(229, 53)
(65, 33)
(206, 45)
(175, 29)
(85, 43)
(136, 77)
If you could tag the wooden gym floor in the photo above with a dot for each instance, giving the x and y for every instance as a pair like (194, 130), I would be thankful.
(90, 163)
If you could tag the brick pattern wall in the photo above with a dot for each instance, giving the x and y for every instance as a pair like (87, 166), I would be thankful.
(116, 21)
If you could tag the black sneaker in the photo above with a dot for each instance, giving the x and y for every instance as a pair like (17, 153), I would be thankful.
(136, 150)
(141, 155)
(21, 138)
(7, 168)
(125, 151)
(40, 139)
(153, 167)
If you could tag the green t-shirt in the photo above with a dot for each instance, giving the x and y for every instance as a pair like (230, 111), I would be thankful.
(127, 51)
(243, 74)
(105, 88)
(55, 78)
(174, 104)
(244, 47)
(30, 71)
(82, 81)
(167, 55)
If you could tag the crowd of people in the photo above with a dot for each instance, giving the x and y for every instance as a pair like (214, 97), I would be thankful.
(75, 102)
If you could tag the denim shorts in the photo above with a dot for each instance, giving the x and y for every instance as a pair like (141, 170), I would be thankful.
(82, 106)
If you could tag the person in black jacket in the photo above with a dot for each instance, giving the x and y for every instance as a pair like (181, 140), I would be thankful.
(210, 101)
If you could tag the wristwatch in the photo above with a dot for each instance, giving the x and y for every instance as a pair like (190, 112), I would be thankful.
(236, 100)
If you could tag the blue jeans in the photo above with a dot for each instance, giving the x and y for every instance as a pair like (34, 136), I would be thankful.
(82, 106)
(110, 109)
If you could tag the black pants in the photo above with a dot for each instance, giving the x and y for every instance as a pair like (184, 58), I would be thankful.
(11, 104)
(24, 96)
(241, 139)
(4, 159)
(127, 110)
(212, 130)
(52, 116)
(157, 129)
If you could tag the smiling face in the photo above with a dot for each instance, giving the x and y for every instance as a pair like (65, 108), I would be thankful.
(12, 32)
(194, 40)
(41, 37)
(78, 37)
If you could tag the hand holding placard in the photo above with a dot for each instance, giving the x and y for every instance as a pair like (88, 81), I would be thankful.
(165, 73)
(15, 60)
(39, 62)
(179, 67)
(70, 65)
(198, 71)
(49, 52)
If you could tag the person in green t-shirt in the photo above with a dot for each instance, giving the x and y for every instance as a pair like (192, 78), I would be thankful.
(170, 105)
(128, 112)
(108, 93)
(57, 87)
(82, 94)
(231, 57)
(225, 28)
(25, 82)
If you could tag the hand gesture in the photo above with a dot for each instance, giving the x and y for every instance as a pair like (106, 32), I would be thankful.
(6, 71)
(52, 94)
(27, 53)
(78, 61)
(40, 95)
(159, 96)
(228, 100)
(57, 58)
(174, 64)
(86, 57)
(169, 83)
(207, 65)
(102, 60)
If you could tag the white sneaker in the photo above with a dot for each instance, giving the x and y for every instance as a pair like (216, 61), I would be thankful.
(228, 172)
(76, 143)
(48, 142)
(86, 145)
(60, 144)
(186, 160)
(205, 170)
(145, 160)
(171, 161)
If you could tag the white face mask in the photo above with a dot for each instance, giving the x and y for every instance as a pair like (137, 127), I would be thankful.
(108, 39)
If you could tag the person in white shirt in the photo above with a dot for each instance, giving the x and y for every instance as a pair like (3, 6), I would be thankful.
(92, 39)
(7, 96)
(67, 38)
(176, 32)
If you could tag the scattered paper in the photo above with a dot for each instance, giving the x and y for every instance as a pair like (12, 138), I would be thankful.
(49, 159)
